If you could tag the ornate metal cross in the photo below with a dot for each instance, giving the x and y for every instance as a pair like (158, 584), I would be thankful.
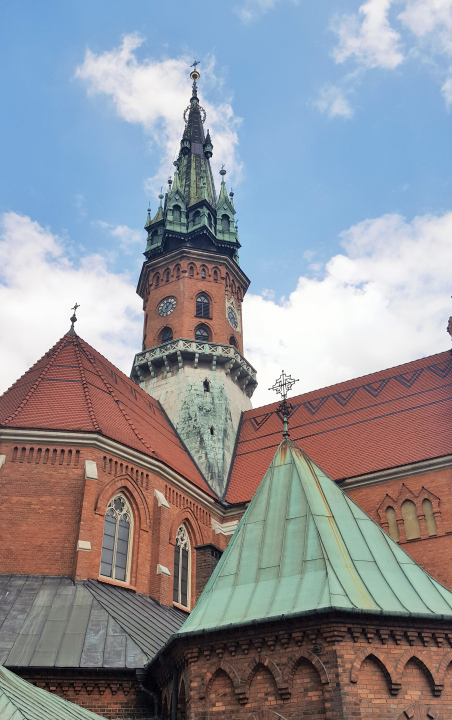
(73, 318)
(282, 386)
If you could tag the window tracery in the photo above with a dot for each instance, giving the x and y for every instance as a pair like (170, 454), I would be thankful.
(181, 589)
(202, 306)
(117, 540)
(202, 333)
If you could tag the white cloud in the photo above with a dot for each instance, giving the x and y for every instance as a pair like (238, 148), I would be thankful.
(377, 37)
(368, 37)
(430, 18)
(250, 10)
(126, 236)
(332, 101)
(385, 300)
(38, 287)
(382, 301)
(154, 94)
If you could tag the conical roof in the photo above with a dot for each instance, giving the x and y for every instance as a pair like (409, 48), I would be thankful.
(304, 547)
(73, 388)
(20, 700)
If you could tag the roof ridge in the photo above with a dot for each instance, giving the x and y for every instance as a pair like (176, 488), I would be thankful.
(332, 386)
(85, 387)
(111, 391)
(58, 348)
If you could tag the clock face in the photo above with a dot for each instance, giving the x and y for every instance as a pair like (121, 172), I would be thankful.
(167, 306)
(232, 317)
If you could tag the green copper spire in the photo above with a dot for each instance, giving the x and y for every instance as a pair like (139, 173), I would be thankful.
(191, 215)
(302, 547)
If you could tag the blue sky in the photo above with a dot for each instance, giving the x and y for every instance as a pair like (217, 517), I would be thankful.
(333, 121)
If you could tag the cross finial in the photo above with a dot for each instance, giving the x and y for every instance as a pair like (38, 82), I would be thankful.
(282, 386)
(73, 318)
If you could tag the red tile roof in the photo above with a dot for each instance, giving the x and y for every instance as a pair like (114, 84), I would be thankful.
(387, 419)
(74, 388)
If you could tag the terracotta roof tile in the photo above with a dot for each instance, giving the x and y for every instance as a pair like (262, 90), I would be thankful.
(74, 388)
(387, 419)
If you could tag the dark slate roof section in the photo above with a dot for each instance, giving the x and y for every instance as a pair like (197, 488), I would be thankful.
(54, 622)
(143, 618)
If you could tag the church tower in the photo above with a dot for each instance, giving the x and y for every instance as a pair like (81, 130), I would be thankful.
(192, 289)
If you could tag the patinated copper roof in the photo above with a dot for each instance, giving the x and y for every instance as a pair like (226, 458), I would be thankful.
(303, 546)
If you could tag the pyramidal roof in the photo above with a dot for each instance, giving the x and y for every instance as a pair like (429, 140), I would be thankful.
(73, 388)
(20, 700)
(303, 547)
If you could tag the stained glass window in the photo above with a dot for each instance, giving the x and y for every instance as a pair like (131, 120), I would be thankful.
(181, 567)
(116, 544)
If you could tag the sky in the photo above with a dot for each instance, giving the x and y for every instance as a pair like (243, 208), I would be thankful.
(333, 121)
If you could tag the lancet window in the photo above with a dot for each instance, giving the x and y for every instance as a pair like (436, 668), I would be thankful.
(202, 306)
(117, 540)
(201, 334)
(167, 334)
(181, 587)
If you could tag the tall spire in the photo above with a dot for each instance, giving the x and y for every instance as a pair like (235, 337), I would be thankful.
(195, 152)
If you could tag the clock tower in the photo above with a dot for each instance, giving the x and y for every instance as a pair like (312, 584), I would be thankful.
(192, 289)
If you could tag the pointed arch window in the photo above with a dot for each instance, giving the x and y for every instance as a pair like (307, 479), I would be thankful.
(202, 306)
(176, 213)
(202, 333)
(196, 217)
(225, 223)
(117, 540)
(167, 334)
(181, 587)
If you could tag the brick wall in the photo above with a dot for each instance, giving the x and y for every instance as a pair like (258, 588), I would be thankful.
(51, 506)
(207, 557)
(335, 668)
(115, 695)
(185, 287)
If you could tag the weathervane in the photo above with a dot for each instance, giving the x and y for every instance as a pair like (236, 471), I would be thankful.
(282, 386)
(74, 318)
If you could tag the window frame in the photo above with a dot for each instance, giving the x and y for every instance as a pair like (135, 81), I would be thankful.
(203, 299)
(202, 326)
(182, 531)
(126, 511)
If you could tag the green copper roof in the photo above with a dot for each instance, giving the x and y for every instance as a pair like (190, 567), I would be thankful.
(20, 700)
(302, 547)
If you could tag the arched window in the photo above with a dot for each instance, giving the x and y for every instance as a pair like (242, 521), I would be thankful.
(117, 541)
(215, 275)
(202, 334)
(209, 220)
(392, 522)
(233, 341)
(225, 223)
(154, 236)
(203, 273)
(167, 334)
(191, 270)
(410, 520)
(177, 272)
(429, 516)
(181, 589)
(157, 280)
(202, 306)
(167, 275)
(176, 213)
(196, 217)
